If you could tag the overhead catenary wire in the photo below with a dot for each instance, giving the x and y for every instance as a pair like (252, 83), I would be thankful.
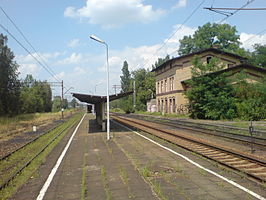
(20, 44)
(25, 38)
(173, 34)
(237, 10)
(253, 36)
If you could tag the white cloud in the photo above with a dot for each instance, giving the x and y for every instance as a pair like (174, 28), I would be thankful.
(74, 58)
(73, 43)
(248, 40)
(180, 3)
(114, 13)
(79, 71)
(28, 68)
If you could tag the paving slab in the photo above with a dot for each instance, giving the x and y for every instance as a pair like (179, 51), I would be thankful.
(130, 167)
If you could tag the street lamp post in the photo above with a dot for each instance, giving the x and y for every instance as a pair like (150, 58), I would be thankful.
(93, 37)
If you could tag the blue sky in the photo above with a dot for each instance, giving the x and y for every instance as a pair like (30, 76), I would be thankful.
(134, 30)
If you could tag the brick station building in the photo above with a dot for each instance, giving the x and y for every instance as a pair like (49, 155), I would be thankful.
(171, 77)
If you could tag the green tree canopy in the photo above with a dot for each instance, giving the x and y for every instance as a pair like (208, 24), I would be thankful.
(210, 95)
(9, 83)
(160, 61)
(223, 36)
(125, 78)
(258, 56)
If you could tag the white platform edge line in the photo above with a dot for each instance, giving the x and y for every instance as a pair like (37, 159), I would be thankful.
(51, 175)
(198, 165)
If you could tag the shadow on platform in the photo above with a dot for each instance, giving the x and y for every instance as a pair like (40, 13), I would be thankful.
(94, 127)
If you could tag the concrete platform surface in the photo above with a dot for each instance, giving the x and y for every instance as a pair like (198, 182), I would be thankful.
(130, 167)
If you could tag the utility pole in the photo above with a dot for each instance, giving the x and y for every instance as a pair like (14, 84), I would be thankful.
(62, 99)
(134, 95)
(116, 87)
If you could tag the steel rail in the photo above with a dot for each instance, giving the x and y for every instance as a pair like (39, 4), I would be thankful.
(259, 141)
(206, 149)
(35, 156)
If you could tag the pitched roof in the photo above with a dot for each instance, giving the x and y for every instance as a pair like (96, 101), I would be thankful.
(218, 51)
(93, 99)
(240, 66)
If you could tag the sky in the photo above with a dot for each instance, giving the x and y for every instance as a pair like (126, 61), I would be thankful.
(138, 31)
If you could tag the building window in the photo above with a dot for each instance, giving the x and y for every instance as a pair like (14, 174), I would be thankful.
(208, 59)
(161, 86)
(165, 85)
(158, 87)
(171, 83)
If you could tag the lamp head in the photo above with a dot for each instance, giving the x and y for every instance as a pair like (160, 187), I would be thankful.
(93, 37)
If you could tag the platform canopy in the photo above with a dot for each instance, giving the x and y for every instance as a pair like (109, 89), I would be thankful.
(93, 99)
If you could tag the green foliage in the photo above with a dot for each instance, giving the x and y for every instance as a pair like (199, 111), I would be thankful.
(160, 61)
(223, 36)
(258, 56)
(251, 99)
(73, 103)
(56, 104)
(145, 87)
(125, 78)
(210, 95)
(35, 96)
(9, 83)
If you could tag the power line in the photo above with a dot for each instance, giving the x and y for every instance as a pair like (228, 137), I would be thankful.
(164, 43)
(34, 57)
(213, 9)
(237, 10)
(18, 29)
(251, 37)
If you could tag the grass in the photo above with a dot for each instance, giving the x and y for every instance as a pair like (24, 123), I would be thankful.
(12, 126)
(172, 115)
(18, 159)
(108, 192)
(84, 190)
(123, 175)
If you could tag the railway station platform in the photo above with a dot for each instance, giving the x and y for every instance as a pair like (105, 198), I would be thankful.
(130, 167)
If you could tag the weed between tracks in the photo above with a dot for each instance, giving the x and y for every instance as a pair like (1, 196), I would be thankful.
(84, 190)
(12, 164)
(108, 192)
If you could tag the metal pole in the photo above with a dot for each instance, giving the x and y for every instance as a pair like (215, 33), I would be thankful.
(134, 97)
(107, 93)
(62, 98)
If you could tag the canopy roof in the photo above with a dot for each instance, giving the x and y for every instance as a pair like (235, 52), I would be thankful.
(93, 99)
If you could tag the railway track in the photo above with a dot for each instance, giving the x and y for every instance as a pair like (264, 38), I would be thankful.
(215, 130)
(248, 164)
(14, 163)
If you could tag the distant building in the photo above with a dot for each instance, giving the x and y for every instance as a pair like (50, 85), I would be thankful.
(151, 106)
(171, 77)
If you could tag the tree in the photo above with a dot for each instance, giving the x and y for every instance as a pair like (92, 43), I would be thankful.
(223, 36)
(56, 104)
(251, 98)
(125, 78)
(145, 87)
(73, 103)
(36, 96)
(258, 56)
(160, 61)
(210, 95)
(9, 83)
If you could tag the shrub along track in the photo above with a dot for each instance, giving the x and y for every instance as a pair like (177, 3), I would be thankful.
(14, 164)
(248, 164)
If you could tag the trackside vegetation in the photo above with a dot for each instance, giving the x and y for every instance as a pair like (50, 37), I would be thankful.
(20, 96)
(30, 163)
(213, 96)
